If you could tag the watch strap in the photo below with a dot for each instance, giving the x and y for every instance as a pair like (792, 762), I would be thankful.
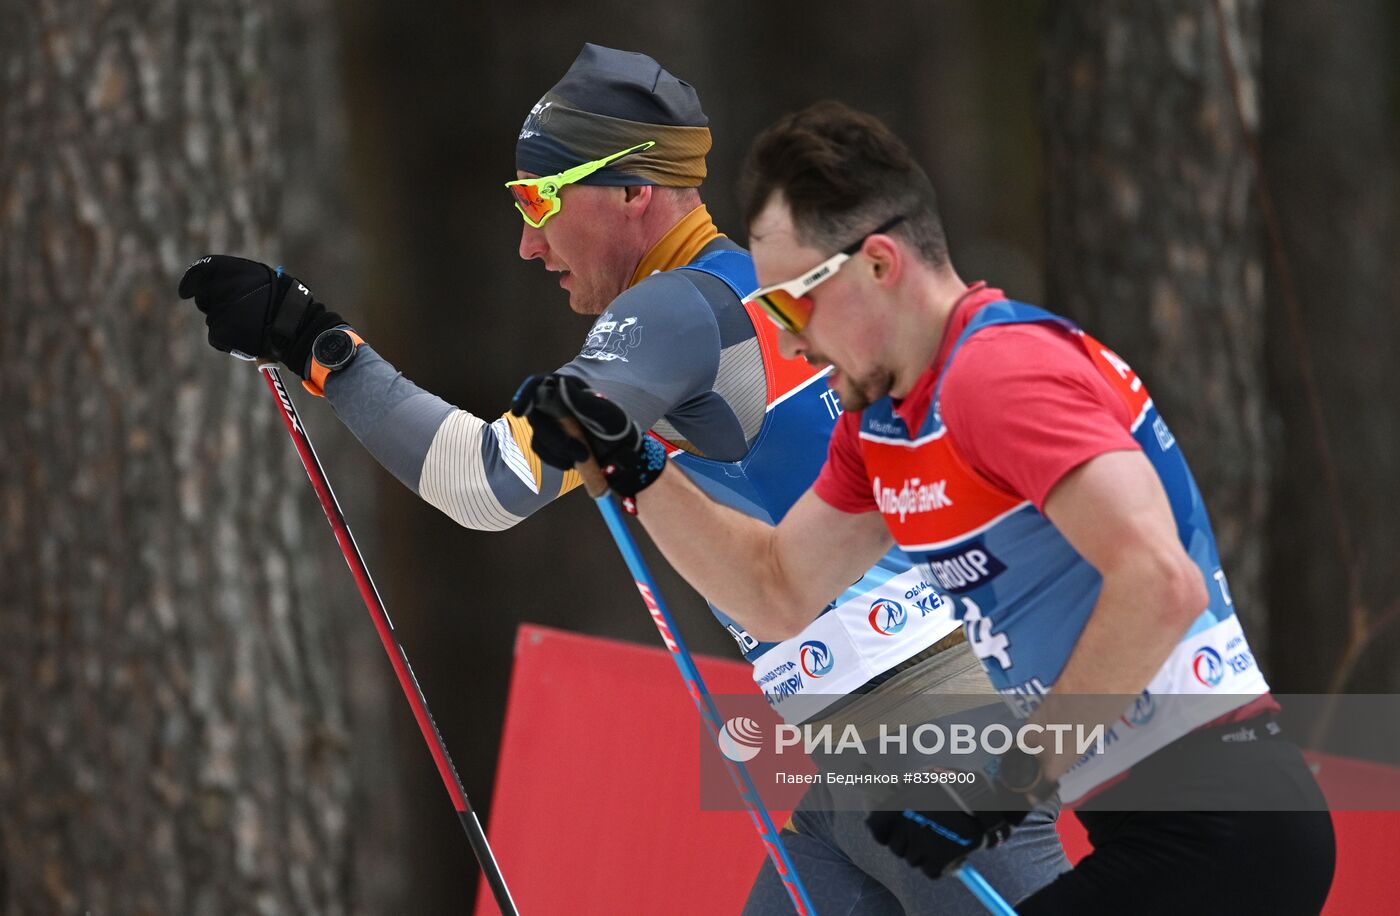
(316, 384)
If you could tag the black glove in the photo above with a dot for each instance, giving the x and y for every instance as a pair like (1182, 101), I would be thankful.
(979, 815)
(629, 458)
(255, 312)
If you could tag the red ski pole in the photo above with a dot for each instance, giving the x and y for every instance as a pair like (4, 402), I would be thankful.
(389, 639)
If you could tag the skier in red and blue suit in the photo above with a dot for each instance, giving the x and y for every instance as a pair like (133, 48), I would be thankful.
(1024, 468)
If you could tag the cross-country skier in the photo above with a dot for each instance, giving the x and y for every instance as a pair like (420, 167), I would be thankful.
(1025, 469)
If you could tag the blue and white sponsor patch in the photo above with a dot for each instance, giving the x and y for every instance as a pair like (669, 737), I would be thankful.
(963, 568)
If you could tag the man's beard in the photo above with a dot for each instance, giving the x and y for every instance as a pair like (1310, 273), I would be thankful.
(858, 394)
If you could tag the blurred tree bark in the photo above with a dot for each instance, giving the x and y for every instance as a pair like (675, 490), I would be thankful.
(172, 712)
(1331, 138)
(1152, 241)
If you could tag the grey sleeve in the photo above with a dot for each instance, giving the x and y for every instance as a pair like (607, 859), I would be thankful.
(655, 348)
(392, 417)
(476, 472)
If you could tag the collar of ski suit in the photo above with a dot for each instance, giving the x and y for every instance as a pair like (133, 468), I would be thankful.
(679, 246)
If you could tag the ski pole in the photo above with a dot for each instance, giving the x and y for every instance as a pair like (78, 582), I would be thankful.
(704, 702)
(389, 639)
(972, 879)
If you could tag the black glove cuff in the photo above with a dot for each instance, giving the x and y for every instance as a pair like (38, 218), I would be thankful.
(318, 318)
(290, 304)
(634, 469)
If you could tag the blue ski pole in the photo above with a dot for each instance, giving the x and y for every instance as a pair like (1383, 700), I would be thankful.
(972, 879)
(695, 686)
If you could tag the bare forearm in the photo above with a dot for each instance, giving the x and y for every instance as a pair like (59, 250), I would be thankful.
(728, 557)
(1114, 512)
(1130, 633)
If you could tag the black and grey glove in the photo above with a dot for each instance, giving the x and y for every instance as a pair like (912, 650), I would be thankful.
(979, 814)
(933, 840)
(256, 312)
(629, 458)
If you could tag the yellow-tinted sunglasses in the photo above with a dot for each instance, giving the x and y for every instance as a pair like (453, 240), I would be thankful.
(538, 199)
(789, 304)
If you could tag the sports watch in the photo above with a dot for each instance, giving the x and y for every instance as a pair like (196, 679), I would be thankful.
(332, 351)
(1020, 773)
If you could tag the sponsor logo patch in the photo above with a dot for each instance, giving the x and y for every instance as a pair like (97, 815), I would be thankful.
(887, 617)
(816, 659)
(1142, 711)
(913, 497)
(964, 568)
(535, 120)
(611, 339)
(1208, 667)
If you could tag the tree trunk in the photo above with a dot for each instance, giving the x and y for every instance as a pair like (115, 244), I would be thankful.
(173, 717)
(1152, 242)
(1332, 154)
